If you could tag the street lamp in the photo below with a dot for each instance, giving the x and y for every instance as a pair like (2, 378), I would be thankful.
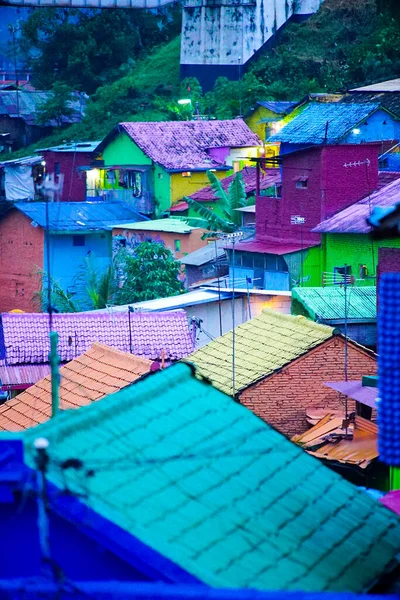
(184, 101)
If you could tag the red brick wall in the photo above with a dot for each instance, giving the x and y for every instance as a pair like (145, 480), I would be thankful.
(21, 254)
(69, 167)
(330, 187)
(283, 398)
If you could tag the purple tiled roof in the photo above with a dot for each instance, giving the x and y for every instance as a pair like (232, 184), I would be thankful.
(25, 337)
(183, 145)
(353, 219)
(270, 178)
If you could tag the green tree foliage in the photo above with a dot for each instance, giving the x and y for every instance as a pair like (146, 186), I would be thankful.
(348, 42)
(90, 47)
(150, 273)
(57, 107)
(228, 201)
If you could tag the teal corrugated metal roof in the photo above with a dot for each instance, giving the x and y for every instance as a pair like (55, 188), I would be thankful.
(206, 483)
(328, 303)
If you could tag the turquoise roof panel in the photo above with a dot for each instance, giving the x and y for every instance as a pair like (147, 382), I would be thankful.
(204, 482)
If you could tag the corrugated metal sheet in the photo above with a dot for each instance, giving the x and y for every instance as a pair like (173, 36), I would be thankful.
(354, 218)
(79, 216)
(269, 247)
(331, 303)
(356, 391)
(310, 127)
(268, 179)
(279, 108)
(27, 161)
(329, 440)
(22, 376)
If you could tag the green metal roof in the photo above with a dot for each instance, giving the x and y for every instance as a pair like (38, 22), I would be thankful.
(207, 484)
(263, 345)
(328, 303)
(170, 225)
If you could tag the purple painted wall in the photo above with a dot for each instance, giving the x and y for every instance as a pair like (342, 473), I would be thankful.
(219, 154)
(315, 185)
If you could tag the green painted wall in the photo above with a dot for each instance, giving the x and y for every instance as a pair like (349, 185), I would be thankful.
(312, 267)
(123, 151)
(354, 250)
(162, 189)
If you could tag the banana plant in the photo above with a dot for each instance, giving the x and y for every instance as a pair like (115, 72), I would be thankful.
(233, 198)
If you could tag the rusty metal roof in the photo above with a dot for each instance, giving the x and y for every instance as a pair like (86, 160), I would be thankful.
(329, 440)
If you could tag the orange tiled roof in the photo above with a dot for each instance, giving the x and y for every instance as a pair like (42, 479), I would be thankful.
(100, 371)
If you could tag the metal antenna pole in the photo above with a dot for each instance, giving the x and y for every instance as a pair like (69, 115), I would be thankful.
(345, 329)
(219, 288)
(54, 358)
(233, 318)
(42, 460)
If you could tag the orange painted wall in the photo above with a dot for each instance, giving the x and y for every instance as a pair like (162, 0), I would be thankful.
(189, 241)
(21, 255)
(283, 398)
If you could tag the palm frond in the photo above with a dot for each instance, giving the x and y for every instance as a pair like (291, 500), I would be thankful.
(217, 188)
(214, 221)
(237, 192)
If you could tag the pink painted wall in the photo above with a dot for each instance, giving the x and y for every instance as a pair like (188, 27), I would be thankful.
(69, 167)
(330, 187)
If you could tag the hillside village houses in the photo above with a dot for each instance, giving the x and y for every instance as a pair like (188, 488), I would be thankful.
(211, 438)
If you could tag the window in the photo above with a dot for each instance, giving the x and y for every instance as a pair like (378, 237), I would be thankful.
(278, 190)
(57, 168)
(339, 274)
(302, 184)
(363, 271)
(177, 244)
(383, 163)
(186, 174)
(78, 240)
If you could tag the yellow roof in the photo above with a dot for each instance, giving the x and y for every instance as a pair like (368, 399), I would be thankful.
(262, 345)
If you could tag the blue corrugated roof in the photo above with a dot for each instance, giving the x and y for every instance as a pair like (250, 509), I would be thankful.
(280, 108)
(79, 216)
(310, 126)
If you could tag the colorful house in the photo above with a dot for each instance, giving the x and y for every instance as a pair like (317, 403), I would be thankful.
(270, 184)
(353, 308)
(346, 237)
(316, 182)
(76, 229)
(269, 116)
(72, 161)
(281, 363)
(338, 123)
(158, 163)
(24, 351)
(200, 481)
(99, 371)
(175, 234)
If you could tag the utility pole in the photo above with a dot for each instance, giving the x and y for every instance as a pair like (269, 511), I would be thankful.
(42, 460)
(13, 29)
